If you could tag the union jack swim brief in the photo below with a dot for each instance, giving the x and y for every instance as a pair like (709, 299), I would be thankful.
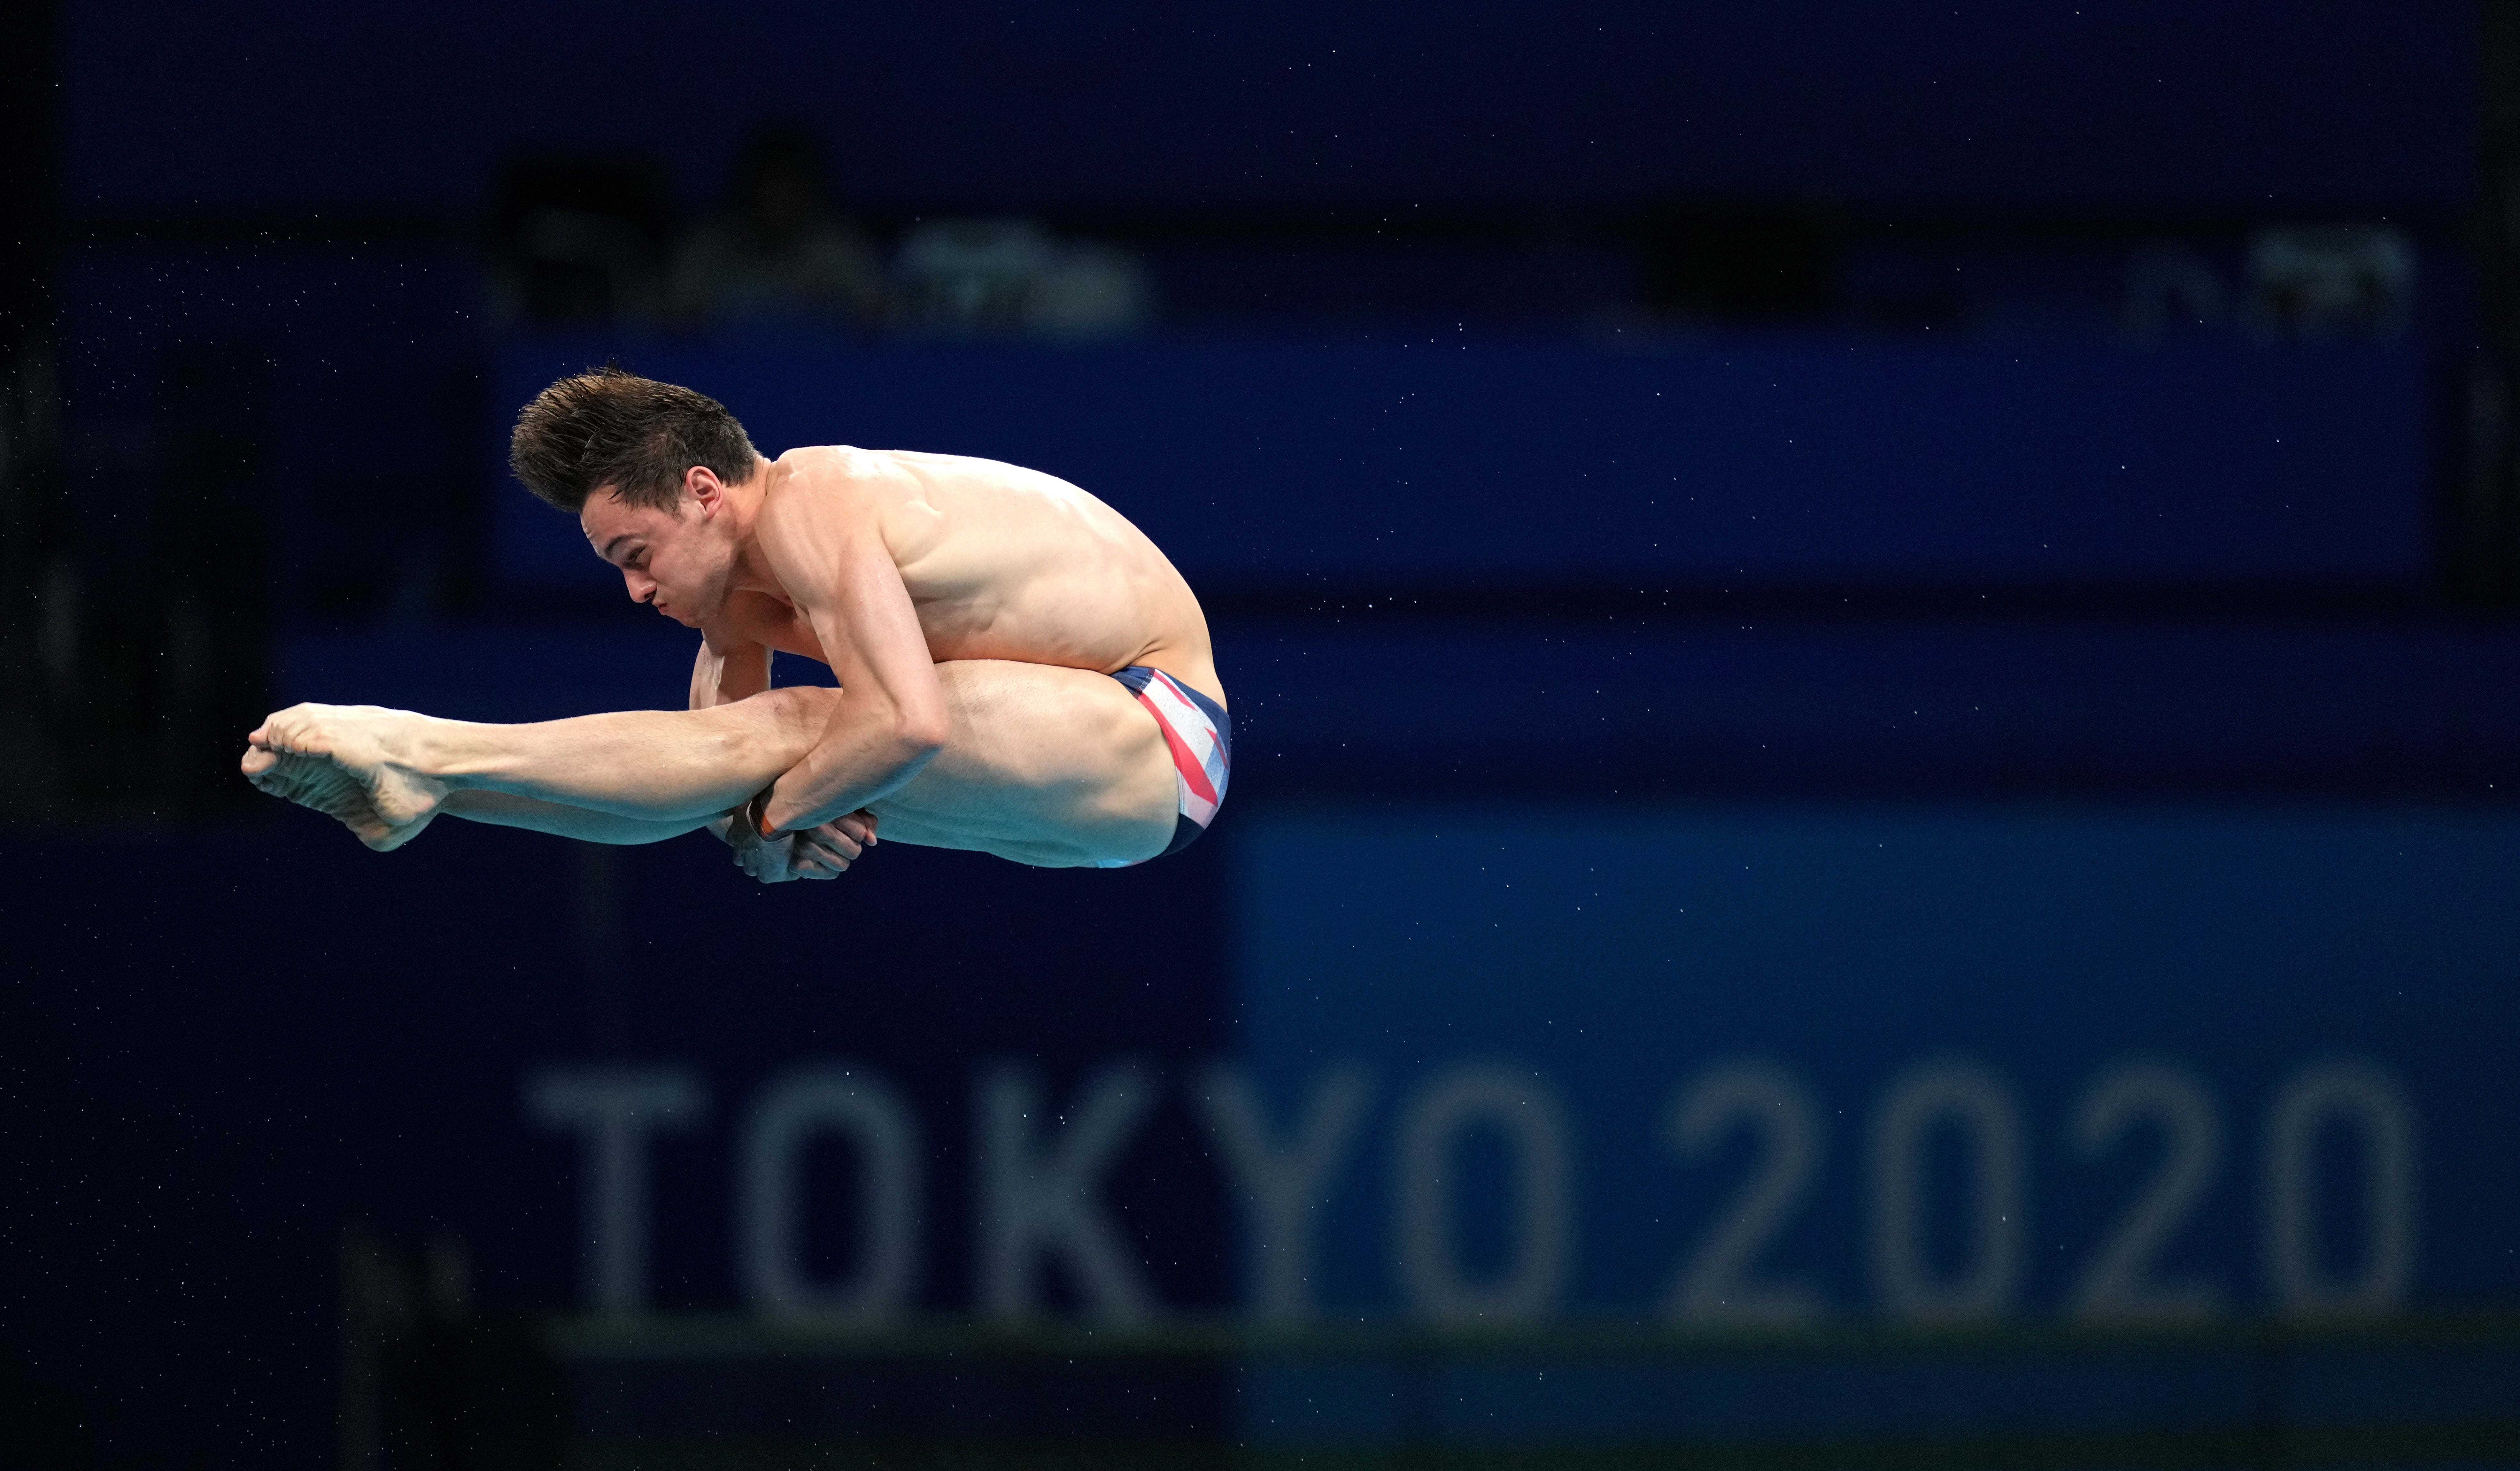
(1201, 740)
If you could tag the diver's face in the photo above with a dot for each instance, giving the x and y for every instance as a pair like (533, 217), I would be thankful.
(677, 560)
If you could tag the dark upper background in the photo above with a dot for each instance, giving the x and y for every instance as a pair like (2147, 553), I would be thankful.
(2247, 108)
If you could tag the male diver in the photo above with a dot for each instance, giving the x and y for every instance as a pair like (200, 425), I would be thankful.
(1021, 672)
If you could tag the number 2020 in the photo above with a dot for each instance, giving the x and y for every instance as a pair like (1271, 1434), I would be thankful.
(1721, 1281)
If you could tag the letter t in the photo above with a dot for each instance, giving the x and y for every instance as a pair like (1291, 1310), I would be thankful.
(612, 1110)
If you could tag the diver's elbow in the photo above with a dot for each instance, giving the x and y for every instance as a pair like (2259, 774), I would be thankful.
(918, 737)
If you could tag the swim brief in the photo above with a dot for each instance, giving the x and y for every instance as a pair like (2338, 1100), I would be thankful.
(1201, 740)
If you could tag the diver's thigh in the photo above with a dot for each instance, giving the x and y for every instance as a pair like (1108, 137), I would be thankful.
(1040, 754)
(1038, 724)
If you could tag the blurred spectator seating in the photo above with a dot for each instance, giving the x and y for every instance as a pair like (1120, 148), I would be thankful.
(2318, 281)
(781, 252)
(2171, 288)
(1011, 277)
(577, 244)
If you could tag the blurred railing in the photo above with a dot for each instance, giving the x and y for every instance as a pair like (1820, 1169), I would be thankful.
(721, 1391)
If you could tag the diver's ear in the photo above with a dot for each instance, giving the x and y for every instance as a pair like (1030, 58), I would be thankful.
(702, 488)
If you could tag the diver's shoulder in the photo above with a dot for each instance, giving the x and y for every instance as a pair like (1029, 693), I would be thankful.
(829, 474)
(821, 462)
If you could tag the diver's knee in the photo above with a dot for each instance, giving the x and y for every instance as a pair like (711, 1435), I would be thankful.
(796, 704)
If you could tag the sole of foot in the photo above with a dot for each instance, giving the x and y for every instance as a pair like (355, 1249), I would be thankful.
(361, 740)
(318, 783)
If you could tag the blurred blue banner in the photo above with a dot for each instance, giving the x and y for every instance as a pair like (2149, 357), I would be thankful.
(1776, 1066)
(1820, 460)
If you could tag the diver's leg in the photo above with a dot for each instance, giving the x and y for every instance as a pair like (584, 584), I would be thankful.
(1042, 764)
(316, 782)
(502, 809)
(656, 765)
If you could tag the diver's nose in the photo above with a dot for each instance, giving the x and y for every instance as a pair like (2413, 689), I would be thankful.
(642, 589)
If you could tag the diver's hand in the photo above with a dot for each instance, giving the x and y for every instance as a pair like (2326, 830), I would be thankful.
(820, 852)
(828, 850)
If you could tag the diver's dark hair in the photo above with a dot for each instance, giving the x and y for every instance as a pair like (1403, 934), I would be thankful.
(610, 429)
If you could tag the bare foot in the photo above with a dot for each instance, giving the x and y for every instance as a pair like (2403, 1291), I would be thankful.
(316, 782)
(366, 743)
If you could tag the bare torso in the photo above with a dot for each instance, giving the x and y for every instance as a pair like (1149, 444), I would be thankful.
(1001, 563)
